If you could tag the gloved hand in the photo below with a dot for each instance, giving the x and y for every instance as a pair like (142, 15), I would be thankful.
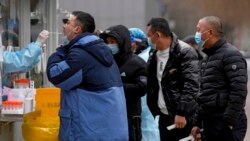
(42, 37)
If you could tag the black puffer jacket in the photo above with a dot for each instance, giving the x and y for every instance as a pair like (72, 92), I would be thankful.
(179, 81)
(132, 68)
(223, 83)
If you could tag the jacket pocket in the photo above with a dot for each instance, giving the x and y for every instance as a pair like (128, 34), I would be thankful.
(65, 124)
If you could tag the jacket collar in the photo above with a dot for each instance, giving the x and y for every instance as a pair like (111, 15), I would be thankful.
(76, 39)
(174, 47)
(214, 47)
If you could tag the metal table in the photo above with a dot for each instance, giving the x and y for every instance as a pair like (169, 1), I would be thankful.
(10, 127)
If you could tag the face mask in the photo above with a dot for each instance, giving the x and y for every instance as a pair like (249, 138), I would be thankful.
(69, 34)
(65, 40)
(114, 48)
(198, 39)
(150, 43)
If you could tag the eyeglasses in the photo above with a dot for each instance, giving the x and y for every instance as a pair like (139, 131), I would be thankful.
(64, 21)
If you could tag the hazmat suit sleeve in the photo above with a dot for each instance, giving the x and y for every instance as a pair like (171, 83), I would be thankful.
(26, 58)
(22, 60)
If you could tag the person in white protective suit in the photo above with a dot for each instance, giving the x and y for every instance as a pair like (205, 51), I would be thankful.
(149, 125)
(24, 59)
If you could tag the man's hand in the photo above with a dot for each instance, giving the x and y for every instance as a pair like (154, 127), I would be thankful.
(196, 133)
(180, 121)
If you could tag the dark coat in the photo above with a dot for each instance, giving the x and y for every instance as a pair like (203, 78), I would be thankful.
(179, 81)
(132, 69)
(223, 83)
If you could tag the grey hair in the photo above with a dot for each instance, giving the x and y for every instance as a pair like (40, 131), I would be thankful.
(215, 23)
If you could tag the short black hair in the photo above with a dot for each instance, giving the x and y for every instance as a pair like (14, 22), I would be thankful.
(86, 21)
(190, 39)
(160, 25)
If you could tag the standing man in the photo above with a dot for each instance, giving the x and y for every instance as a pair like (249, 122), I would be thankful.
(93, 105)
(223, 85)
(172, 81)
(133, 73)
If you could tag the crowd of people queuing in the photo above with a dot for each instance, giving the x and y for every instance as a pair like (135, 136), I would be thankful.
(121, 84)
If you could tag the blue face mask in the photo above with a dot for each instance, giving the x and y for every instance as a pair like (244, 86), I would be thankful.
(114, 48)
(150, 43)
(198, 39)
(65, 40)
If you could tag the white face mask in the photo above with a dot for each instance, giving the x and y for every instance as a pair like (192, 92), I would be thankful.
(114, 48)
(153, 46)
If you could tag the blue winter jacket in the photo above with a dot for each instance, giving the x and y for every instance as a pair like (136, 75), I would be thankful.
(93, 105)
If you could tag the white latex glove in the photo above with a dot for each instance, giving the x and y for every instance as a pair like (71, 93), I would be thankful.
(42, 37)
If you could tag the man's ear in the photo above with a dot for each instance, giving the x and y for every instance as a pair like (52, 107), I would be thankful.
(78, 29)
(158, 34)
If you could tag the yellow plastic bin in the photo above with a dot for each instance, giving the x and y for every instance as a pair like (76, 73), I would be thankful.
(43, 124)
(48, 101)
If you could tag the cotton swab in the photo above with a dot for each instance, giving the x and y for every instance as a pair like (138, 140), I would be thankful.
(55, 33)
(189, 138)
(171, 127)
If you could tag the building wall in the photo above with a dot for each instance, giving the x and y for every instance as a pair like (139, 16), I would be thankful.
(131, 13)
(244, 38)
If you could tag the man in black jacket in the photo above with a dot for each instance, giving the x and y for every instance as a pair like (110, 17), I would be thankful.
(223, 85)
(172, 81)
(133, 73)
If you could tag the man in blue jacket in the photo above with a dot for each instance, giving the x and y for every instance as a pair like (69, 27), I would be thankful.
(92, 100)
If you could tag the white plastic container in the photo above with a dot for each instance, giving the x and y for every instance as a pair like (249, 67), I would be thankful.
(28, 105)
